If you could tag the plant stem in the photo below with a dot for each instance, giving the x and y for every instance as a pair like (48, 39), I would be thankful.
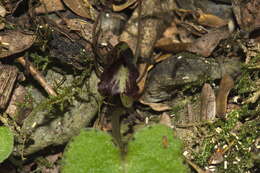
(116, 113)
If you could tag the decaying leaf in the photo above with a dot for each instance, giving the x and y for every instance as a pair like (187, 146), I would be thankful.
(156, 106)
(49, 6)
(226, 84)
(2, 11)
(13, 42)
(166, 120)
(208, 103)
(80, 7)
(8, 76)
(211, 20)
(119, 77)
(144, 69)
(121, 7)
(247, 14)
(207, 43)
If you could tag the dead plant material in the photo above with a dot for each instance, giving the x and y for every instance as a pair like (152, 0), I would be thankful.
(81, 8)
(253, 98)
(207, 43)
(37, 75)
(247, 14)
(48, 6)
(226, 84)
(159, 107)
(210, 20)
(124, 6)
(13, 42)
(165, 119)
(195, 166)
(208, 103)
(145, 68)
(8, 76)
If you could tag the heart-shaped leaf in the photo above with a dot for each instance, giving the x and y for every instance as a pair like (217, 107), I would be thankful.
(6, 143)
(154, 149)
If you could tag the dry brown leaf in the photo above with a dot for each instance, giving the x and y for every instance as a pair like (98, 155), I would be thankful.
(207, 43)
(165, 119)
(13, 42)
(80, 7)
(226, 84)
(123, 6)
(143, 70)
(157, 106)
(49, 6)
(247, 14)
(2, 11)
(208, 103)
(210, 20)
(168, 45)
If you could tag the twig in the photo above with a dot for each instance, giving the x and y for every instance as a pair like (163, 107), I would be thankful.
(253, 98)
(194, 166)
(137, 49)
(37, 75)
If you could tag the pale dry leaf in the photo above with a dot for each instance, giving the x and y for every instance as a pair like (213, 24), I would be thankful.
(207, 43)
(48, 6)
(226, 84)
(165, 119)
(13, 42)
(2, 11)
(121, 7)
(211, 20)
(208, 103)
(80, 7)
(157, 106)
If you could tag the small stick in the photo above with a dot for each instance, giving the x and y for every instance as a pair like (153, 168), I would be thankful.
(37, 75)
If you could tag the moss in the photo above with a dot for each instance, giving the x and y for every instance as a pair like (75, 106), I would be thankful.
(238, 137)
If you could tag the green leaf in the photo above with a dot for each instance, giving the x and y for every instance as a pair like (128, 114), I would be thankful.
(155, 149)
(6, 143)
(91, 152)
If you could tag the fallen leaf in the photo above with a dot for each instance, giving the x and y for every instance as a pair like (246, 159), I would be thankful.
(123, 6)
(226, 84)
(165, 119)
(80, 7)
(157, 106)
(49, 6)
(210, 20)
(207, 43)
(208, 103)
(13, 42)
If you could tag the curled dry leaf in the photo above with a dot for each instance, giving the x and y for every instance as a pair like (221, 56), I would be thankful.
(145, 69)
(226, 84)
(49, 6)
(80, 7)
(210, 20)
(156, 106)
(123, 6)
(13, 42)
